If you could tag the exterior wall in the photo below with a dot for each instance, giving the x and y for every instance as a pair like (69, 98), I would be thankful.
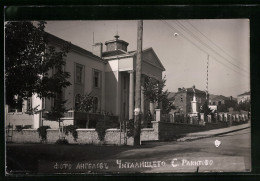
(243, 98)
(111, 92)
(181, 102)
(85, 136)
(151, 71)
(55, 124)
(89, 65)
(187, 98)
(20, 119)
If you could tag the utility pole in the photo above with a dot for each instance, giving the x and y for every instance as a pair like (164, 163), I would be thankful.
(137, 123)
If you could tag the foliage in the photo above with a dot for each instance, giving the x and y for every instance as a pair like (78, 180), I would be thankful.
(29, 60)
(19, 128)
(130, 128)
(205, 109)
(62, 142)
(167, 106)
(71, 129)
(32, 111)
(153, 89)
(85, 102)
(57, 111)
(43, 132)
(101, 130)
(245, 106)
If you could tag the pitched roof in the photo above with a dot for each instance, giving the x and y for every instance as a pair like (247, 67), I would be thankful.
(113, 53)
(246, 93)
(56, 40)
(190, 90)
(220, 97)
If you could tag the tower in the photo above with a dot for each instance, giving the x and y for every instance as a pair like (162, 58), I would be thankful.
(116, 44)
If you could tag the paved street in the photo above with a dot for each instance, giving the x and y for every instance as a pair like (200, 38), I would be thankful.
(234, 148)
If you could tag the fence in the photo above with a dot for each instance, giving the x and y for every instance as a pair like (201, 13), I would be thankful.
(89, 120)
(201, 119)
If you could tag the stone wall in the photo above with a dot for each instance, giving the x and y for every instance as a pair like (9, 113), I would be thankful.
(85, 136)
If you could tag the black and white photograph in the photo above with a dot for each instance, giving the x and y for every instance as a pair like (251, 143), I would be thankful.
(127, 96)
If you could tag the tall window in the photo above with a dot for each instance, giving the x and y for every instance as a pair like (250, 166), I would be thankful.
(96, 77)
(95, 104)
(79, 74)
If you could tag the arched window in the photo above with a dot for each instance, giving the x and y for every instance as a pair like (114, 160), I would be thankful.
(95, 104)
(77, 101)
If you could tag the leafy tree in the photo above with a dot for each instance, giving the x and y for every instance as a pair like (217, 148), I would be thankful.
(85, 104)
(57, 111)
(245, 106)
(167, 105)
(29, 60)
(206, 110)
(153, 89)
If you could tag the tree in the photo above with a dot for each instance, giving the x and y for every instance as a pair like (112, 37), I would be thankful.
(153, 89)
(57, 111)
(245, 106)
(205, 109)
(29, 60)
(84, 103)
(167, 105)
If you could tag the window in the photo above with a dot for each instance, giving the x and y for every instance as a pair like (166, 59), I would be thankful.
(96, 80)
(79, 74)
(95, 105)
(181, 99)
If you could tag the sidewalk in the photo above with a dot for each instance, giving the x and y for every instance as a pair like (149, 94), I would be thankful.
(214, 132)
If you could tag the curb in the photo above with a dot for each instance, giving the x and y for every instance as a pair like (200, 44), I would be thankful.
(191, 138)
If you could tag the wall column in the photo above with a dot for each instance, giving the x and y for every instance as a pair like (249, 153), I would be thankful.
(131, 95)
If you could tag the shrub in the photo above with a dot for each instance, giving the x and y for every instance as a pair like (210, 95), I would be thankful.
(62, 142)
(43, 132)
(19, 128)
(71, 129)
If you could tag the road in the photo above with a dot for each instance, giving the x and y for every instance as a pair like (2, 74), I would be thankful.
(233, 154)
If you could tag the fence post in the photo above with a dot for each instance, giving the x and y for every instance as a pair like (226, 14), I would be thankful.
(158, 115)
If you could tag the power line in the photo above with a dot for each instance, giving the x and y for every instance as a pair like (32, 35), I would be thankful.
(176, 30)
(205, 44)
(211, 41)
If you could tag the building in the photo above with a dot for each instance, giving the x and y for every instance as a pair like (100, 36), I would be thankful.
(221, 103)
(109, 75)
(184, 97)
(244, 97)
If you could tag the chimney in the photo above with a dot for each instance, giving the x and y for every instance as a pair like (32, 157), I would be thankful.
(193, 86)
(97, 49)
(231, 98)
(179, 89)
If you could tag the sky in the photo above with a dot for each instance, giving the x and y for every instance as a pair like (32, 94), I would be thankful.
(183, 47)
